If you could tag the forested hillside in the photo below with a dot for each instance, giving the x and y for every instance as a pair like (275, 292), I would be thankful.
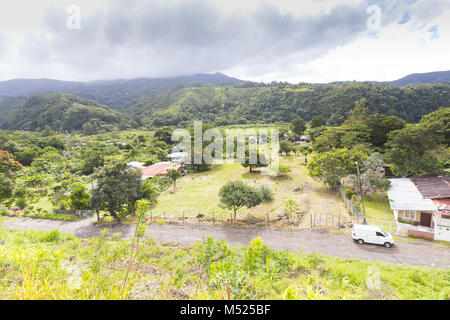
(256, 103)
(238, 103)
(61, 112)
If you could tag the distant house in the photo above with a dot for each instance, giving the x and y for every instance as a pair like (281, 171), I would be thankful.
(160, 169)
(421, 206)
(178, 157)
(137, 165)
(303, 139)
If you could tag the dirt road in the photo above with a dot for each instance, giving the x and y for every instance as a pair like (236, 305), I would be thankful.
(334, 245)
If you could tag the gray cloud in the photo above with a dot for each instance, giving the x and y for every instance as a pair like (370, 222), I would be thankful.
(172, 37)
(160, 37)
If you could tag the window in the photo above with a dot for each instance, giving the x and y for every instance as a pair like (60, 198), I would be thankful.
(409, 215)
(379, 234)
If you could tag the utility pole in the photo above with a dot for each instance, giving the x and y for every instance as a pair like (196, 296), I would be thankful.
(361, 191)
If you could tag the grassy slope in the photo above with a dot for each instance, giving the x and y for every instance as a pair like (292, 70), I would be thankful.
(49, 265)
(200, 192)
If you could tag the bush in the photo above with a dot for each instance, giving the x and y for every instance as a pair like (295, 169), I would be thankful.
(283, 170)
(265, 194)
(348, 193)
(21, 203)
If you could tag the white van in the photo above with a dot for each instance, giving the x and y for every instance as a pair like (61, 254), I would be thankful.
(363, 233)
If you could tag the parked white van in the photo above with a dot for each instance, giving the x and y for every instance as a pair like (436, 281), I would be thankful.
(363, 233)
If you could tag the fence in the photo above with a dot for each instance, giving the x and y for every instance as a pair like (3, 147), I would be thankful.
(386, 225)
(78, 213)
(303, 221)
(350, 206)
(328, 221)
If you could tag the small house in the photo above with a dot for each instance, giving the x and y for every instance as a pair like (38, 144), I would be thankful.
(420, 206)
(160, 169)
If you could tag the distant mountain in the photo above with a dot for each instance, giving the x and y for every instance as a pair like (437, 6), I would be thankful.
(114, 93)
(423, 78)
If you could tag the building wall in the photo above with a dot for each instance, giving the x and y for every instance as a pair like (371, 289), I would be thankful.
(402, 217)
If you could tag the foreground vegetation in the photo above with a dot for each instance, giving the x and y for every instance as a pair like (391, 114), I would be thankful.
(51, 265)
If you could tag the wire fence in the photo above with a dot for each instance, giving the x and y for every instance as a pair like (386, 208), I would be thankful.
(353, 210)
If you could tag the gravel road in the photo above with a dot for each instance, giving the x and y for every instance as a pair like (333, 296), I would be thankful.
(421, 253)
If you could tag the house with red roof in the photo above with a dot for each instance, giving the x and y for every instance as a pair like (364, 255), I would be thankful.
(160, 169)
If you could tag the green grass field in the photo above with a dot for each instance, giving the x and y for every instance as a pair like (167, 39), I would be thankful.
(377, 207)
(198, 192)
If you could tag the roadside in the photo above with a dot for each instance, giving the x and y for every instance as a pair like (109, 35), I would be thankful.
(309, 241)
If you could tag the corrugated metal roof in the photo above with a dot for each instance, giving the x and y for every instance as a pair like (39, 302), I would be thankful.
(159, 168)
(433, 187)
(443, 204)
(403, 195)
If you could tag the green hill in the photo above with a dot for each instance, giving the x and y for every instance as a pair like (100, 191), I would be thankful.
(258, 103)
(60, 112)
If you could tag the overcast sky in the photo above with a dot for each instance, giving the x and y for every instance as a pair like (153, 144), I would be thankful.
(282, 40)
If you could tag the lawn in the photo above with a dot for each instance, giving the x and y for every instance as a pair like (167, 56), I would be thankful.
(198, 192)
(377, 207)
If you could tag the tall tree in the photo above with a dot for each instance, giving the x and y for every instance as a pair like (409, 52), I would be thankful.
(117, 186)
(235, 195)
(298, 126)
(330, 167)
(173, 175)
(410, 151)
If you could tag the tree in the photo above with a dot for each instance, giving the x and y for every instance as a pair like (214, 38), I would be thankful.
(305, 150)
(254, 160)
(235, 195)
(117, 186)
(6, 187)
(173, 175)
(8, 166)
(286, 147)
(410, 151)
(93, 159)
(164, 134)
(298, 126)
(317, 121)
(79, 198)
(371, 179)
(27, 155)
(330, 167)
(359, 112)
(437, 123)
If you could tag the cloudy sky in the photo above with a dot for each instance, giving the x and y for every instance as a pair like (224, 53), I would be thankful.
(282, 40)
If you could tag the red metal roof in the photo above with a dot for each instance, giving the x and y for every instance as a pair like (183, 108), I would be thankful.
(443, 204)
(160, 169)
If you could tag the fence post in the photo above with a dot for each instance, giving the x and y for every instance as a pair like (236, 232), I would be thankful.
(310, 218)
(151, 217)
(268, 221)
(214, 219)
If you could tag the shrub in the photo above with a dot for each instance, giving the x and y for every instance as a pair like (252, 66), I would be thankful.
(348, 193)
(265, 193)
(283, 170)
